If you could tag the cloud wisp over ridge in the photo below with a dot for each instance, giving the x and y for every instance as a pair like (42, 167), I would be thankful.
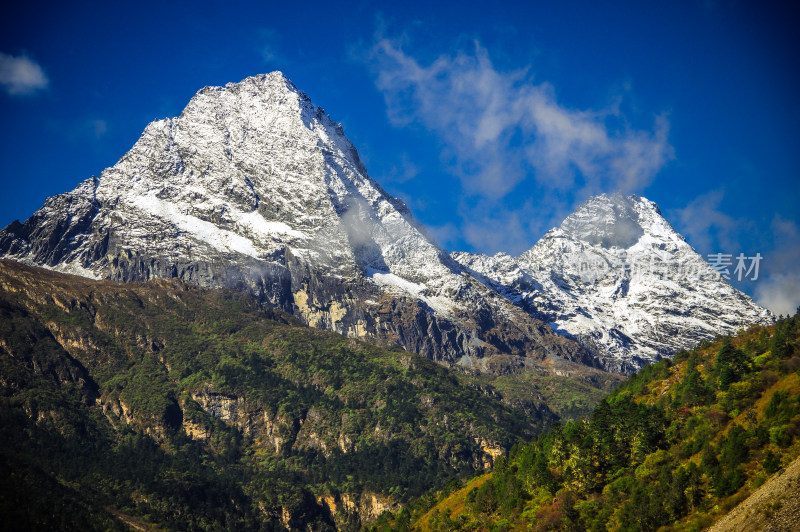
(709, 229)
(20, 76)
(705, 225)
(780, 290)
(500, 130)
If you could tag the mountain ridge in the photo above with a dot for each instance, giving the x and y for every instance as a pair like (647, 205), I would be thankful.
(255, 187)
(617, 277)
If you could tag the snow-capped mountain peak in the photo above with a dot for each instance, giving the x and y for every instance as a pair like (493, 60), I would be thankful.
(606, 220)
(617, 277)
(254, 186)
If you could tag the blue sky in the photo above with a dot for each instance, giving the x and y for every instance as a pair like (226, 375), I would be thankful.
(492, 120)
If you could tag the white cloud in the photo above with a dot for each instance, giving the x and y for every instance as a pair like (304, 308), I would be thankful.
(709, 230)
(268, 54)
(779, 291)
(268, 46)
(405, 170)
(20, 75)
(506, 231)
(499, 129)
(444, 233)
(706, 227)
(100, 127)
(87, 128)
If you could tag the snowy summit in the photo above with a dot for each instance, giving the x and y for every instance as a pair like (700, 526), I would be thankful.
(255, 187)
(619, 279)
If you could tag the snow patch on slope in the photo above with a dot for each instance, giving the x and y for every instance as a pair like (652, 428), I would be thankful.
(221, 239)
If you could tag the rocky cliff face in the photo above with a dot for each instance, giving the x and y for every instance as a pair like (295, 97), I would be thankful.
(620, 280)
(175, 362)
(255, 187)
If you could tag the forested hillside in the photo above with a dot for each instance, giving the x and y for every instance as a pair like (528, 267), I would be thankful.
(163, 406)
(675, 447)
(177, 407)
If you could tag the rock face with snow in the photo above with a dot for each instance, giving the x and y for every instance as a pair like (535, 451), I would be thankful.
(620, 280)
(254, 186)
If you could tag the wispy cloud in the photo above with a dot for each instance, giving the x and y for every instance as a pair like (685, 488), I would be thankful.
(21, 75)
(447, 232)
(779, 291)
(99, 127)
(268, 45)
(706, 227)
(404, 170)
(500, 230)
(710, 230)
(499, 129)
